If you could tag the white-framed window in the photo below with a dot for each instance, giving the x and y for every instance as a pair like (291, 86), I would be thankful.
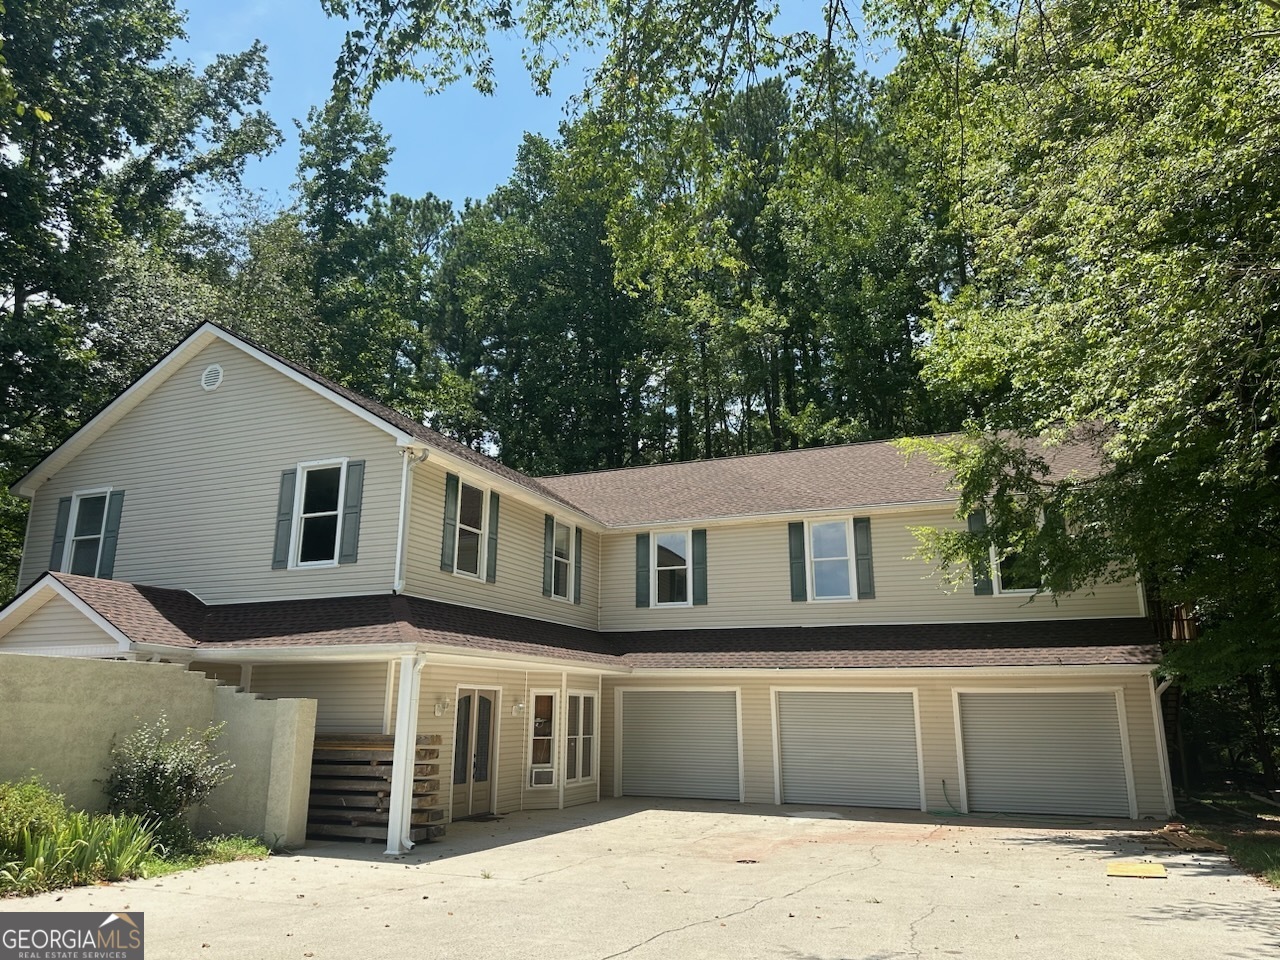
(468, 547)
(317, 513)
(830, 555)
(1014, 574)
(580, 738)
(562, 562)
(542, 738)
(671, 568)
(85, 532)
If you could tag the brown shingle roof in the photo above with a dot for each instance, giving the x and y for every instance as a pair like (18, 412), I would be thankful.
(817, 478)
(176, 618)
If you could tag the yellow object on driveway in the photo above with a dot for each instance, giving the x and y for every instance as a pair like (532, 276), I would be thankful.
(1142, 870)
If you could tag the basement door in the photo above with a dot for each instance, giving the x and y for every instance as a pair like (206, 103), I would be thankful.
(680, 743)
(473, 752)
(850, 748)
(1044, 752)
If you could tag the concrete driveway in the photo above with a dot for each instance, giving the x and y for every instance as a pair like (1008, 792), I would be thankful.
(667, 880)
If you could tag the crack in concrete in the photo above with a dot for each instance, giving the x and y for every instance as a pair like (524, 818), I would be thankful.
(737, 913)
(914, 933)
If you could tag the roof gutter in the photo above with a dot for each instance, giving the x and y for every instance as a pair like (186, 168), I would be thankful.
(780, 515)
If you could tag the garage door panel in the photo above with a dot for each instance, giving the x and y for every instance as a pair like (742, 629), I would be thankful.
(1044, 753)
(849, 748)
(680, 744)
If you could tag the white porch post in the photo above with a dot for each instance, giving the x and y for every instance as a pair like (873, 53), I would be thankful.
(403, 754)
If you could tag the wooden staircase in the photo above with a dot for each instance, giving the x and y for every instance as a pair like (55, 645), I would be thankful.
(351, 788)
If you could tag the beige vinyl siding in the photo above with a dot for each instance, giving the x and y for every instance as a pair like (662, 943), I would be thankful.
(350, 696)
(518, 588)
(440, 683)
(937, 725)
(201, 475)
(227, 674)
(56, 627)
(748, 585)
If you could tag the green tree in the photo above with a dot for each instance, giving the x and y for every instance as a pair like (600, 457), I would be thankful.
(108, 135)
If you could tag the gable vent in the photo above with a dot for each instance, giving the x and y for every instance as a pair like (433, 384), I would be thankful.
(212, 377)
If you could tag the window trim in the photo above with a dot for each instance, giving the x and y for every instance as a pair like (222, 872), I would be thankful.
(483, 547)
(571, 563)
(299, 492)
(688, 568)
(553, 766)
(849, 559)
(595, 738)
(68, 548)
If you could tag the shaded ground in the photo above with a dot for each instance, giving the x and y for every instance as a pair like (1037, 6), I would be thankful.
(644, 880)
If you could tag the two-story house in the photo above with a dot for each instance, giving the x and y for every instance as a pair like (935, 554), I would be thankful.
(748, 629)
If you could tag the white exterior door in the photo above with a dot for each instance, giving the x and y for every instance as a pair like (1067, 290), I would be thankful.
(1044, 752)
(680, 743)
(848, 748)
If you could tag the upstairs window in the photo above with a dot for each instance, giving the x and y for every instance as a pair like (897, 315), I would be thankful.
(469, 538)
(671, 569)
(89, 519)
(319, 507)
(86, 528)
(1017, 574)
(829, 556)
(470, 530)
(318, 514)
(562, 560)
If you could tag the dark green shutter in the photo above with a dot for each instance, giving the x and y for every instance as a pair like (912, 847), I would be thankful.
(642, 569)
(449, 536)
(60, 534)
(577, 564)
(699, 568)
(981, 572)
(862, 558)
(110, 534)
(799, 582)
(284, 519)
(548, 553)
(352, 497)
(491, 557)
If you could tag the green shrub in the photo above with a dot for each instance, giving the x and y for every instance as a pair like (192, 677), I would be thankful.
(81, 848)
(26, 805)
(163, 778)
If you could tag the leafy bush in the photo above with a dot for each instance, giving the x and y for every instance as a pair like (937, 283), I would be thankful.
(163, 779)
(27, 805)
(77, 849)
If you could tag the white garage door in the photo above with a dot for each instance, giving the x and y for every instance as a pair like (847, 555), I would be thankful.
(1044, 753)
(855, 749)
(680, 743)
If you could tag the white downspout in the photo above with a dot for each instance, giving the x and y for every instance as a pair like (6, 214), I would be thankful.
(403, 754)
(408, 458)
(1162, 745)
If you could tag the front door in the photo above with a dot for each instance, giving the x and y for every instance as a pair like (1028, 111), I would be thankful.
(473, 792)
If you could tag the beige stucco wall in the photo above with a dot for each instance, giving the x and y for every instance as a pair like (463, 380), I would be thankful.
(937, 722)
(518, 588)
(267, 794)
(748, 584)
(60, 716)
(201, 475)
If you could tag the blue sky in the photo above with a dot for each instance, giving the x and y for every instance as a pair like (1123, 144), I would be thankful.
(456, 144)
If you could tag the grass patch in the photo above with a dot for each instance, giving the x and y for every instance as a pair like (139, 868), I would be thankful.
(1248, 828)
(206, 852)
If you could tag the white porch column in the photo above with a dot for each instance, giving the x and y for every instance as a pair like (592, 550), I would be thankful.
(403, 754)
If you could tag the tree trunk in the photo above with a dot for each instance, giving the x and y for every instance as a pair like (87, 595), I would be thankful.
(1263, 746)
